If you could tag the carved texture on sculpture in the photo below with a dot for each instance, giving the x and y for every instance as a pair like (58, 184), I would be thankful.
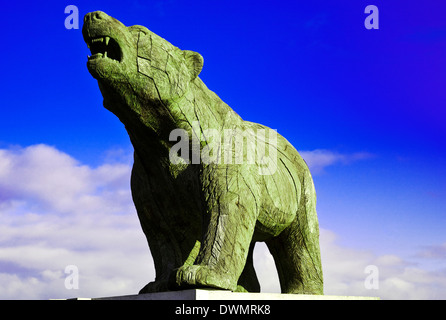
(201, 220)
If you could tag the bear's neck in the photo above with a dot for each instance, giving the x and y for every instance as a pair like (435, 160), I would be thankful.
(198, 110)
(203, 107)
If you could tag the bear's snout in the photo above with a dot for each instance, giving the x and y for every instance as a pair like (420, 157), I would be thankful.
(96, 15)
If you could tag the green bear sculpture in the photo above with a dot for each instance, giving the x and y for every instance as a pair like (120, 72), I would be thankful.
(203, 203)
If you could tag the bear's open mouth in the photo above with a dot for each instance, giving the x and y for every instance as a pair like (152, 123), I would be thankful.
(104, 47)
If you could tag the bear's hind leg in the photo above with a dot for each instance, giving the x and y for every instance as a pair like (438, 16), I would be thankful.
(297, 260)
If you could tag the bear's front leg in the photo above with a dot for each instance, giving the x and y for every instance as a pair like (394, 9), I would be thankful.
(199, 276)
(224, 250)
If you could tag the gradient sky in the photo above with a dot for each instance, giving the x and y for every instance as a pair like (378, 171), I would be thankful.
(365, 107)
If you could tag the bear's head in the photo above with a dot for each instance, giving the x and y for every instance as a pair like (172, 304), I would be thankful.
(135, 68)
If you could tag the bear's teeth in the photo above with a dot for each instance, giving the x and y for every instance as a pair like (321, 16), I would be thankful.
(107, 39)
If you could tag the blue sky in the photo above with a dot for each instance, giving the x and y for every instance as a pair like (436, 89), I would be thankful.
(365, 107)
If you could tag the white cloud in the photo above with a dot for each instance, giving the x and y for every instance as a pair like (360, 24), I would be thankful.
(433, 251)
(319, 159)
(55, 212)
(345, 273)
(398, 278)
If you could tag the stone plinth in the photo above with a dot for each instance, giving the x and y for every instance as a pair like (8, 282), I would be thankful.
(203, 295)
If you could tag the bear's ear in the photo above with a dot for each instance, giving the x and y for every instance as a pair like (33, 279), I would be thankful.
(194, 62)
